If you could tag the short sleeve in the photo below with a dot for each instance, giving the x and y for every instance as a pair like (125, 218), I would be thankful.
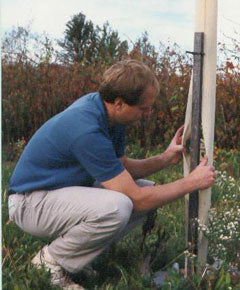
(96, 154)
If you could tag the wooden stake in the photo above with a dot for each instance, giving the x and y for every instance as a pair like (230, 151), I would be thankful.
(195, 143)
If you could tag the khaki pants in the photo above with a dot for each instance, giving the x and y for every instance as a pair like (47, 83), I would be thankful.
(83, 221)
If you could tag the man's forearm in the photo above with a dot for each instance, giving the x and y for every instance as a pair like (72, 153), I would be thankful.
(150, 197)
(156, 196)
(146, 167)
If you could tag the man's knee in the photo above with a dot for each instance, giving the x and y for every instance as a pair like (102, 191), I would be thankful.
(144, 182)
(125, 207)
(117, 211)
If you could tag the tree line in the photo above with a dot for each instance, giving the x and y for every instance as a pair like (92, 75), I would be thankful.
(41, 77)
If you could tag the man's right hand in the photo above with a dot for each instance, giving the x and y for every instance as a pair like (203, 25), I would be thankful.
(203, 175)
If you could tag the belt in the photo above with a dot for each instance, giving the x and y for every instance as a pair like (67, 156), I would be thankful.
(10, 191)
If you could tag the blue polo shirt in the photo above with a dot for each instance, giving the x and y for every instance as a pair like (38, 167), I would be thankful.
(74, 148)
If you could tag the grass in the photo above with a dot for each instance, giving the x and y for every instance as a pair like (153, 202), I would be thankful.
(120, 267)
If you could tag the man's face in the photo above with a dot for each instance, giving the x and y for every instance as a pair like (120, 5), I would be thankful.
(133, 114)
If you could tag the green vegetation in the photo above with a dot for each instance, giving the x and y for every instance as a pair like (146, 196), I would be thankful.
(121, 266)
(85, 43)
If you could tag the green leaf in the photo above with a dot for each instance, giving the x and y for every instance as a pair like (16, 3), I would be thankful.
(228, 279)
(175, 108)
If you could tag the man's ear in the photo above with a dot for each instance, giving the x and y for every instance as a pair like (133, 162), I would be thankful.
(119, 104)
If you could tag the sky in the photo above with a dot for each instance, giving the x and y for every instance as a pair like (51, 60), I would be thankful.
(164, 20)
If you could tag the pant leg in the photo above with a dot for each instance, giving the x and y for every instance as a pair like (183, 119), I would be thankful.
(84, 220)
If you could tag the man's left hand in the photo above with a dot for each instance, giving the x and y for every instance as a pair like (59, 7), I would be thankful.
(175, 148)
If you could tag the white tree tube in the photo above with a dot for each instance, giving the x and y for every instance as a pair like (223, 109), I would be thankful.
(206, 22)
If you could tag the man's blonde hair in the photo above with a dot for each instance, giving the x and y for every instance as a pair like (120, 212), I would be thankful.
(127, 80)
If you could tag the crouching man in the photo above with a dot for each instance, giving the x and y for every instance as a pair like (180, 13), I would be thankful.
(54, 190)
